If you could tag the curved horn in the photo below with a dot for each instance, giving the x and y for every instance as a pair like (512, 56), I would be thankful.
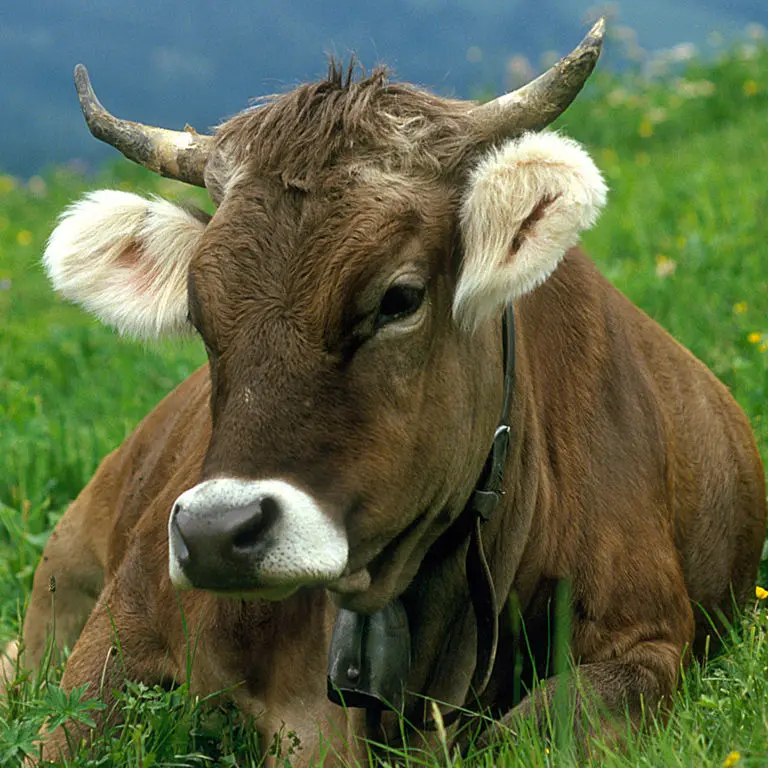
(176, 154)
(536, 105)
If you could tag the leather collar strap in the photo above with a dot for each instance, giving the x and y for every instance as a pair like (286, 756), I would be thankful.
(369, 657)
(480, 506)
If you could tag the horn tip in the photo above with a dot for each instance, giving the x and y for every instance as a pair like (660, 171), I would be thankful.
(84, 89)
(89, 102)
(596, 34)
(82, 80)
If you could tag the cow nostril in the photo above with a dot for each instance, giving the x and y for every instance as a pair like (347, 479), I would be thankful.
(270, 509)
(177, 541)
(252, 530)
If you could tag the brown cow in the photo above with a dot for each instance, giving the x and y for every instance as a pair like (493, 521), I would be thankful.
(349, 290)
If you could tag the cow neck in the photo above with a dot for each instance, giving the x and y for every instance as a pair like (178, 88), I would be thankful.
(370, 656)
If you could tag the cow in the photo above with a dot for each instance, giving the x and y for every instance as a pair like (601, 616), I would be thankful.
(423, 408)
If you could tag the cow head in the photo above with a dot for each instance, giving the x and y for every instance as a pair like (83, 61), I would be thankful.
(348, 290)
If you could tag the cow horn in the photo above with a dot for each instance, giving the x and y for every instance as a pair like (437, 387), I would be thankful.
(176, 154)
(537, 104)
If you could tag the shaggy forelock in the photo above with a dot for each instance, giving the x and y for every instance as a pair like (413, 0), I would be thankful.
(347, 122)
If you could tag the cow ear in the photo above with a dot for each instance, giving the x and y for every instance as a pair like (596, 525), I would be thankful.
(125, 259)
(525, 205)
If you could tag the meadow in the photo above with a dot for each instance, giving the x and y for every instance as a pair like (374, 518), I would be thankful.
(685, 236)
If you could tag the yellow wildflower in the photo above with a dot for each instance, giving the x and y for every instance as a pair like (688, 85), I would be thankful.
(645, 128)
(750, 88)
(7, 184)
(755, 337)
(24, 237)
(763, 347)
(665, 266)
(761, 593)
(731, 759)
(740, 308)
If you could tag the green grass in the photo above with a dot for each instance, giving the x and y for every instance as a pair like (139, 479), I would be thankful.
(685, 235)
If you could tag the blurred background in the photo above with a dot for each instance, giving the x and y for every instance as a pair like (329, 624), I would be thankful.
(196, 61)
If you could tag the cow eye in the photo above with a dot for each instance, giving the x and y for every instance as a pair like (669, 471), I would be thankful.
(400, 301)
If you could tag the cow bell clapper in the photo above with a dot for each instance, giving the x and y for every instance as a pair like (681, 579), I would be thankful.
(370, 658)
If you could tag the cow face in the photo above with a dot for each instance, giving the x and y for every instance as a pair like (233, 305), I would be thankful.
(348, 296)
(340, 386)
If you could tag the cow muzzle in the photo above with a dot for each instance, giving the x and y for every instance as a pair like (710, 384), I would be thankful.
(253, 538)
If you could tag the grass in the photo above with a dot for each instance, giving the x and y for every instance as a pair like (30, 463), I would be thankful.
(685, 236)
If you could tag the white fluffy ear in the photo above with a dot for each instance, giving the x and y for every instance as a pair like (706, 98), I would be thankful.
(125, 259)
(525, 206)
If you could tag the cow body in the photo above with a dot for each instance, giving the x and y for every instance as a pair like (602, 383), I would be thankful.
(633, 474)
(349, 291)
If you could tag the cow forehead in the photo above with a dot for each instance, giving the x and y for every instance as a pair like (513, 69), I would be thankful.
(323, 185)
(314, 251)
(298, 136)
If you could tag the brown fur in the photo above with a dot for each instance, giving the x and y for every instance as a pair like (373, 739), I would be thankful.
(343, 123)
(633, 473)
